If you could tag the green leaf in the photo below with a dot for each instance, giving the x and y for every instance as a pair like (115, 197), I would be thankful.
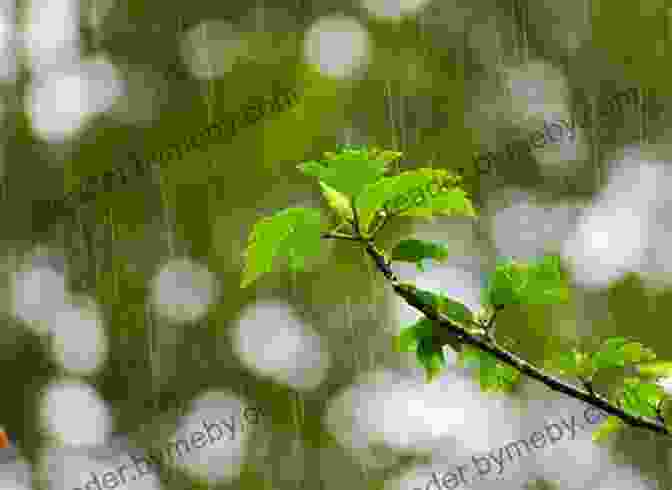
(338, 202)
(455, 311)
(535, 283)
(430, 355)
(408, 339)
(294, 232)
(453, 202)
(492, 375)
(610, 354)
(387, 190)
(348, 172)
(640, 399)
(416, 251)
(635, 352)
(570, 362)
(662, 369)
(609, 426)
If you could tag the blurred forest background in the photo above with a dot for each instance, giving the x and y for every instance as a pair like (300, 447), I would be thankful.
(124, 324)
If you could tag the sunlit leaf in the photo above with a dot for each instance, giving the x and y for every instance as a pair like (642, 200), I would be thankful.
(430, 355)
(388, 190)
(415, 251)
(609, 426)
(408, 339)
(348, 172)
(611, 353)
(294, 232)
(338, 202)
(640, 399)
(661, 369)
(535, 283)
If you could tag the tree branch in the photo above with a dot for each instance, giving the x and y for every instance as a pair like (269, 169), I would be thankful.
(504, 356)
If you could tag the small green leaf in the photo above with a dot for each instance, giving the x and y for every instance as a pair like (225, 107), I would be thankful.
(416, 251)
(348, 172)
(430, 355)
(569, 363)
(640, 399)
(661, 369)
(610, 354)
(492, 375)
(294, 232)
(408, 339)
(456, 311)
(635, 352)
(386, 191)
(453, 202)
(338, 202)
(609, 426)
(536, 283)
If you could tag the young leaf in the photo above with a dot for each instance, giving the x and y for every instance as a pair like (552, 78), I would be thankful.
(455, 311)
(387, 190)
(610, 354)
(569, 362)
(338, 202)
(521, 283)
(641, 399)
(430, 355)
(609, 426)
(408, 339)
(635, 352)
(661, 369)
(492, 375)
(293, 231)
(452, 202)
(416, 251)
(348, 172)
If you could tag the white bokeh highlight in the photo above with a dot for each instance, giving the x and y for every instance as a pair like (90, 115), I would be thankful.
(220, 456)
(79, 341)
(61, 103)
(51, 34)
(73, 414)
(526, 229)
(373, 409)
(338, 46)
(625, 228)
(183, 290)
(272, 340)
(37, 295)
(84, 467)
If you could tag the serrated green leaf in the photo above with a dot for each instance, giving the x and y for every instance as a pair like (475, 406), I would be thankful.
(640, 399)
(453, 202)
(408, 339)
(422, 192)
(293, 231)
(430, 355)
(569, 362)
(338, 202)
(492, 375)
(386, 190)
(610, 354)
(636, 352)
(609, 426)
(535, 283)
(455, 311)
(348, 172)
(415, 251)
(661, 369)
